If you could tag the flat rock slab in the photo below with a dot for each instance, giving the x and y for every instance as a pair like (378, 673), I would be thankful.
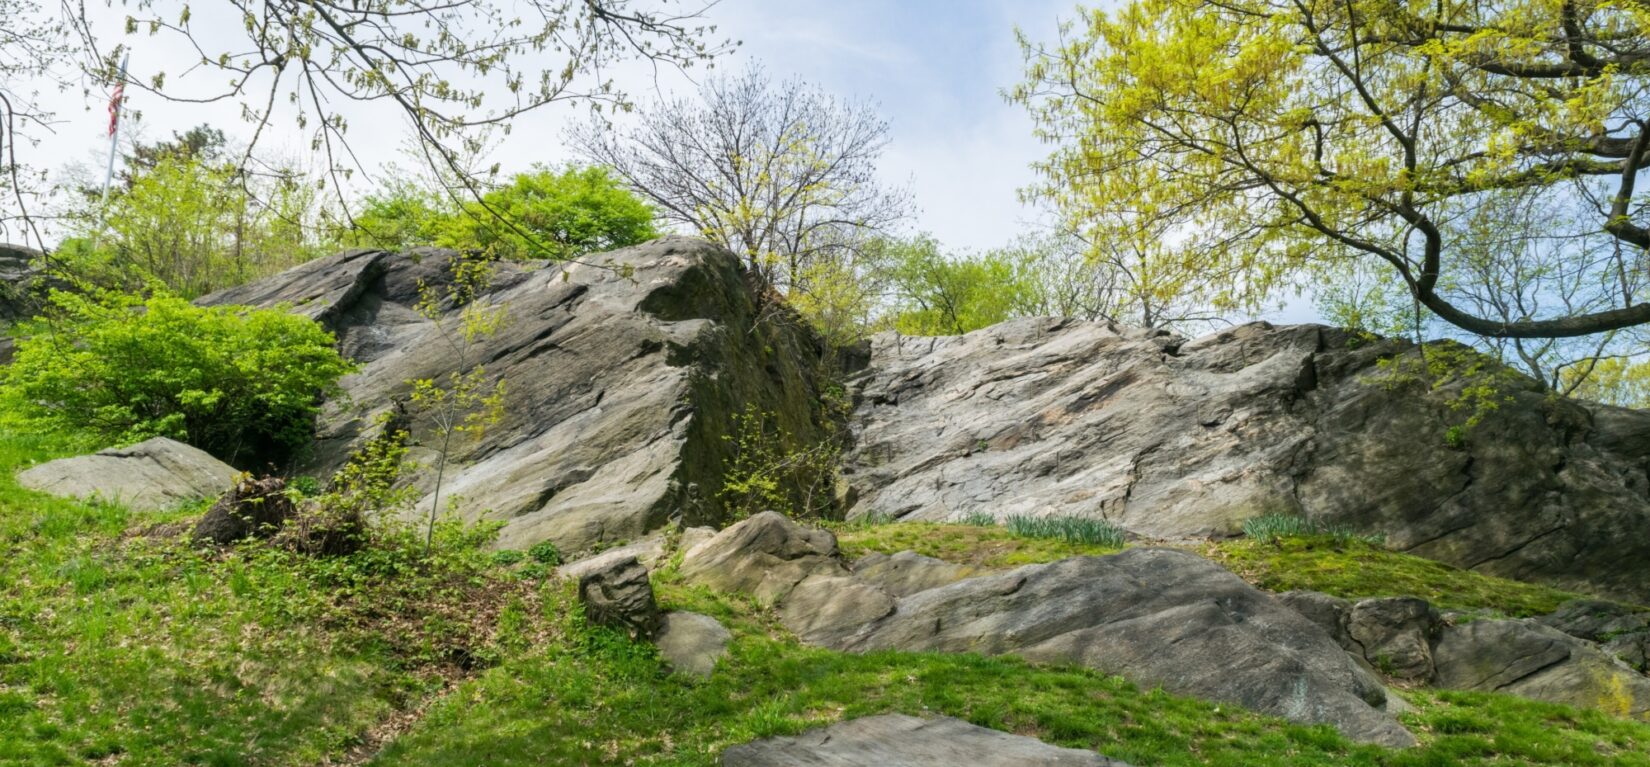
(896, 740)
(153, 475)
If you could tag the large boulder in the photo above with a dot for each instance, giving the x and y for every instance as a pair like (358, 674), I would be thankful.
(692, 644)
(1622, 630)
(1169, 437)
(623, 375)
(153, 475)
(896, 740)
(765, 556)
(20, 291)
(621, 596)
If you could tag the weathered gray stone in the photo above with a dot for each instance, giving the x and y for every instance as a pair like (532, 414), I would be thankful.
(623, 373)
(153, 475)
(896, 740)
(692, 643)
(647, 551)
(1395, 635)
(1328, 612)
(693, 536)
(1530, 660)
(620, 596)
(908, 572)
(1622, 630)
(1169, 437)
(1154, 616)
(252, 508)
(765, 556)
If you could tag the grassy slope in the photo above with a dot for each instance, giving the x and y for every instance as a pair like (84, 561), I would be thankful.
(1346, 568)
(125, 648)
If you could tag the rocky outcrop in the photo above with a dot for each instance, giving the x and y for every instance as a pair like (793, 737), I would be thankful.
(1620, 630)
(896, 740)
(623, 375)
(20, 289)
(1406, 639)
(1155, 616)
(1169, 437)
(153, 475)
(253, 508)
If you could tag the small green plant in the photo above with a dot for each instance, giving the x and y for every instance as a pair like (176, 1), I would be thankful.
(768, 474)
(464, 404)
(242, 384)
(1068, 529)
(545, 553)
(1275, 527)
(978, 518)
(1482, 382)
(508, 557)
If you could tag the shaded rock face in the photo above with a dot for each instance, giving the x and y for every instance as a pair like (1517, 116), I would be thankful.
(1527, 659)
(1169, 437)
(622, 382)
(153, 475)
(1156, 616)
(1621, 630)
(20, 291)
(896, 740)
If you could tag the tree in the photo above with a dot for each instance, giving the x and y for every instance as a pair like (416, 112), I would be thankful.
(1128, 280)
(31, 43)
(784, 176)
(939, 295)
(452, 70)
(556, 215)
(1270, 136)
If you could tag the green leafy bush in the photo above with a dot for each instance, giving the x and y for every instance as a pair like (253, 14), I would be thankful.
(545, 553)
(242, 384)
(1069, 529)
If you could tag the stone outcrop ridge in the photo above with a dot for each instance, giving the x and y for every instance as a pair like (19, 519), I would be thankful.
(622, 376)
(1155, 616)
(1169, 437)
(153, 475)
(1407, 639)
(896, 740)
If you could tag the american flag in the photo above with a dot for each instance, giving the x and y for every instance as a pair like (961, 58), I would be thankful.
(114, 106)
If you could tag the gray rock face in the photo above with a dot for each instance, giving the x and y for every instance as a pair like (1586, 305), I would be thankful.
(153, 475)
(1621, 630)
(622, 377)
(1155, 616)
(908, 572)
(1527, 659)
(1396, 636)
(765, 556)
(1169, 437)
(896, 740)
(620, 596)
(692, 643)
(19, 291)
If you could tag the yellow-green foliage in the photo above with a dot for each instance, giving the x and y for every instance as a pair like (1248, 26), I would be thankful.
(964, 544)
(1354, 569)
(243, 384)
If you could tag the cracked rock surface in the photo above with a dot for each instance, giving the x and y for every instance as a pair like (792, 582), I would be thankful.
(1169, 437)
(1154, 616)
(622, 377)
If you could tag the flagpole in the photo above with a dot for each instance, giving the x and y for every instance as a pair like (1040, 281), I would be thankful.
(114, 140)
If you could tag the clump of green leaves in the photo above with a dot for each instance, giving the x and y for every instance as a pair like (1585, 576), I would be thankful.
(1272, 528)
(768, 474)
(1068, 529)
(1481, 383)
(545, 553)
(242, 384)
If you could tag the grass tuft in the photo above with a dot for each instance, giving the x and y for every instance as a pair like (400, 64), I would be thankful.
(1096, 532)
(1276, 527)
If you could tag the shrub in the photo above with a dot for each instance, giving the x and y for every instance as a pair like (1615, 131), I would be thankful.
(1275, 527)
(1069, 529)
(545, 553)
(507, 557)
(242, 384)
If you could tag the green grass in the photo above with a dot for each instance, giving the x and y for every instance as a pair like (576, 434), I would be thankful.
(1272, 528)
(1069, 529)
(1355, 569)
(120, 645)
(598, 699)
(966, 544)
